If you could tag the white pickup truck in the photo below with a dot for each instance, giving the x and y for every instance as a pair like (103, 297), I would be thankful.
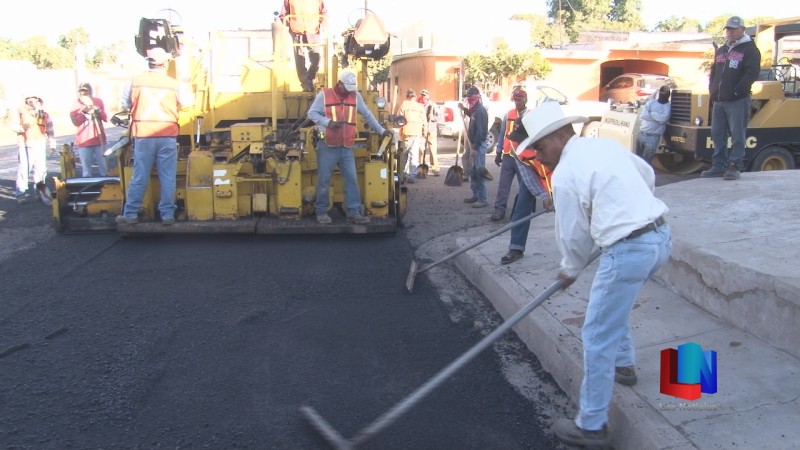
(451, 121)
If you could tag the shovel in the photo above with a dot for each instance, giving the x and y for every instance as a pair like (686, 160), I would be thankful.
(413, 271)
(422, 169)
(337, 441)
(455, 174)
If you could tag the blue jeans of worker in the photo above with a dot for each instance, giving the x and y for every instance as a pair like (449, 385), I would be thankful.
(327, 159)
(478, 164)
(729, 119)
(522, 208)
(508, 170)
(163, 152)
(624, 267)
(648, 144)
(89, 154)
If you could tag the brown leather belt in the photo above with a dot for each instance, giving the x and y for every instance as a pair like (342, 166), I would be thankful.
(647, 228)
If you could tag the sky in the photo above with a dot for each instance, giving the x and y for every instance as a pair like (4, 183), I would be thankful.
(109, 21)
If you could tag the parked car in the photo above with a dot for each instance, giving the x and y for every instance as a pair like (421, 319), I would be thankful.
(632, 87)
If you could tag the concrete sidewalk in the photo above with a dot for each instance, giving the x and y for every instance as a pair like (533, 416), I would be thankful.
(732, 285)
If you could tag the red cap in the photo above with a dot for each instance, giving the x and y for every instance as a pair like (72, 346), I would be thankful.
(518, 93)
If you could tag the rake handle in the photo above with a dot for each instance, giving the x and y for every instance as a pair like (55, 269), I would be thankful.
(481, 241)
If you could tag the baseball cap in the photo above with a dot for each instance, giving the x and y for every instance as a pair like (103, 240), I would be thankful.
(472, 91)
(734, 22)
(348, 79)
(519, 93)
(85, 87)
(157, 56)
(424, 92)
(411, 93)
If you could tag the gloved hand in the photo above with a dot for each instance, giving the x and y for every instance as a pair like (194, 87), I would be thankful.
(498, 159)
(334, 124)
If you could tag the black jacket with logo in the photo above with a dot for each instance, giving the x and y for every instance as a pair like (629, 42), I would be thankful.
(735, 69)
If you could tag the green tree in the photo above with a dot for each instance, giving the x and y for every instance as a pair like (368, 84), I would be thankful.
(44, 56)
(504, 65)
(678, 24)
(593, 15)
(73, 38)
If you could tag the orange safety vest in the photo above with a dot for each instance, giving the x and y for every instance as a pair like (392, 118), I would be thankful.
(510, 118)
(543, 171)
(35, 124)
(340, 110)
(305, 16)
(154, 110)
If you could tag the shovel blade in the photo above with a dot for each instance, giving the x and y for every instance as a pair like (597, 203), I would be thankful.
(412, 275)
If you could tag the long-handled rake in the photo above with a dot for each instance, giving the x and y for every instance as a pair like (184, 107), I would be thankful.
(338, 442)
(413, 271)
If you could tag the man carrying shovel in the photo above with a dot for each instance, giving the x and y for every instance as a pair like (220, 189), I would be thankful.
(88, 114)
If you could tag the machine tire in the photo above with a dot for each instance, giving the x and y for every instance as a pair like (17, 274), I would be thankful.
(491, 138)
(773, 158)
(676, 163)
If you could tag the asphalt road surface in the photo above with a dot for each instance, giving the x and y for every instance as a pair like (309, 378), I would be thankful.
(216, 341)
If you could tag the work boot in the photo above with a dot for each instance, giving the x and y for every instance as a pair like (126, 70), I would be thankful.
(470, 199)
(324, 219)
(129, 220)
(480, 205)
(496, 216)
(487, 175)
(169, 221)
(625, 376)
(567, 432)
(22, 199)
(511, 256)
(732, 173)
(713, 172)
(358, 219)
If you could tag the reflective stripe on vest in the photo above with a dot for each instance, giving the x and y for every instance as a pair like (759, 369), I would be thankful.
(340, 110)
(543, 172)
(154, 111)
(510, 118)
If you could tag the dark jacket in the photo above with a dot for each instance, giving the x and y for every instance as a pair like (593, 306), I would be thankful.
(734, 70)
(478, 125)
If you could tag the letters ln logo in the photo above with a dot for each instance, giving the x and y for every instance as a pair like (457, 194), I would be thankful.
(688, 371)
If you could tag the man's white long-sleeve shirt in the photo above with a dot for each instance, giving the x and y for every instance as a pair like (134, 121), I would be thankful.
(601, 193)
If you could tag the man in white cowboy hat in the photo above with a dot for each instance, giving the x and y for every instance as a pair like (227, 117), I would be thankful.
(603, 197)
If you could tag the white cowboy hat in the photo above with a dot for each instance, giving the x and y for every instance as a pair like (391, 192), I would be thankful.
(543, 120)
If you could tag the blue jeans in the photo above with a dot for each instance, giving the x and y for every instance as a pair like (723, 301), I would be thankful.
(648, 144)
(522, 208)
(87, 154)
(624, 267)
(729, 118)
(163, 151)
(508, 170)
(478, 164)
(327, 159)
